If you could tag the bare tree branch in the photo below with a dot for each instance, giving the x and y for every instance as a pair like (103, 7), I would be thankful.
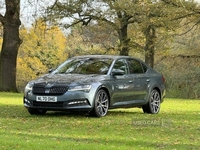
(190, 28)
(75, 22)
(193, 9)
(54, 4)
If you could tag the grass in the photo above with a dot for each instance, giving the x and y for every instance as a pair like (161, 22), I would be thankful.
(176, 127)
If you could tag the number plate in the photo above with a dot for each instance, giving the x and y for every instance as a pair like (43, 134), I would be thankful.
(46, 99)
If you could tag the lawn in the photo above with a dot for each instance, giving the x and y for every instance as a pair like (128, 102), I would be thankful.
(176, 127)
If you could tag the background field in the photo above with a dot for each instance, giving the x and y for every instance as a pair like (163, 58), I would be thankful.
(177, 126)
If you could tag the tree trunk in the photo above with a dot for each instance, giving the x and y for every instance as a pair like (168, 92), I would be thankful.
(149, 46)
(10, 46)
(124, 42)
(122, 33)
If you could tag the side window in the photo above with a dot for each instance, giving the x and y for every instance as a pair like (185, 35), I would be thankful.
(144, 67)
(135, 66)
(121, 65)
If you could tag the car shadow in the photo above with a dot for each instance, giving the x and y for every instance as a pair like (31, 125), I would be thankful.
(86, 114)
(12, 111)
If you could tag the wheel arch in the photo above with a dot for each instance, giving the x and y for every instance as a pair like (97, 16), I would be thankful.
(107, 91)
(150, 90)
(148, 108)
(161, 92)
(156, 88)
(94, 112)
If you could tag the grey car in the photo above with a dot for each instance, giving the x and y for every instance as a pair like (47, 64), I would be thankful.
(96, 83)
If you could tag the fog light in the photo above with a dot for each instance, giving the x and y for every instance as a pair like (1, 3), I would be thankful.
(27, 101)
(78, 102)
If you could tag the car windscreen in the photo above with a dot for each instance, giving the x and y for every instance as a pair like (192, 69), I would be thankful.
(85, 66)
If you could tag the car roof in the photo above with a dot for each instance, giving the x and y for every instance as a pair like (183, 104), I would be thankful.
(114, 57)
(103, 56)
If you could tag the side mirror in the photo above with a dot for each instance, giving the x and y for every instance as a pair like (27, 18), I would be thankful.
(117, 72)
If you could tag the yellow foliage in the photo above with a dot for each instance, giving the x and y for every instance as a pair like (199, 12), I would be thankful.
(1, 41)
(43, 48)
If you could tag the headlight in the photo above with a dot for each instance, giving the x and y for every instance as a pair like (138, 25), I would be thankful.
(29, 87)
(85, 88)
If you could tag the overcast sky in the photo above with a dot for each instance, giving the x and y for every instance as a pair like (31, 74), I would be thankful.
(30, 9)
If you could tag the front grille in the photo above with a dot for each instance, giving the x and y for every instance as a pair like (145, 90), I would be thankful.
(55, 90)
(58, 90)
(49, 104)
(38, 90)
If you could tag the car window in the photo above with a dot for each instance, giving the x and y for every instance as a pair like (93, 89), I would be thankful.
(144, 67)
(121, 65)
(85, 66)
(135, 66)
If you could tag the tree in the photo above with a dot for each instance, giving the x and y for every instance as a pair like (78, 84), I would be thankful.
(11, 42)
(120, 15)
(83, 41)
(43, 48)
(114, 13)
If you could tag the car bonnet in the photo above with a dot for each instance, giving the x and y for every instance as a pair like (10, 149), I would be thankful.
(69, 78)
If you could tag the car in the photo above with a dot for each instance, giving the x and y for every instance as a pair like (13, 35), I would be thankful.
(95, 84)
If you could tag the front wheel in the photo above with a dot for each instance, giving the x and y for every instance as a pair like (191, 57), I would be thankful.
(101, 104)
(153, 106)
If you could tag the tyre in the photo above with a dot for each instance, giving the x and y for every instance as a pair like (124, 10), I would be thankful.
(153, 106)
(101, 104)
(37, 111)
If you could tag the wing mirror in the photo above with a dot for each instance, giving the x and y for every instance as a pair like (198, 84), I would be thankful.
(116, 72)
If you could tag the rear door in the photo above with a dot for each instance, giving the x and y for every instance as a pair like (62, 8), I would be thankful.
(141, 79)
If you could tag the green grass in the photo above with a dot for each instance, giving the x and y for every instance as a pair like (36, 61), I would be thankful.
(176, 127)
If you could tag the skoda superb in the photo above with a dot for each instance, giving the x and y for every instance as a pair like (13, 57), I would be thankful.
(96, 83)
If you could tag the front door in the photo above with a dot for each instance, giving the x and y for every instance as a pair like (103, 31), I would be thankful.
(122, 85)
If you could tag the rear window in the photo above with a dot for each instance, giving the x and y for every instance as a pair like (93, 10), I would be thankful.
(136, 66)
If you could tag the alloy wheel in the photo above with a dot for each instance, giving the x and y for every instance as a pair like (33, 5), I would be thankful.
(101, 103)
(154, 102)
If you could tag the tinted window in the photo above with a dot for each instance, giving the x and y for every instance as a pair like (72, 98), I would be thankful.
(85, 66)
(121, 65)
(144, 67)
(135, 66)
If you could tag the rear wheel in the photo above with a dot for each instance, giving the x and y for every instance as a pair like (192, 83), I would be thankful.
(153, 106)
(37, 111)
(101, 104)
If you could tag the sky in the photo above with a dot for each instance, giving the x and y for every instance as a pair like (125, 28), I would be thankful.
(29, 9)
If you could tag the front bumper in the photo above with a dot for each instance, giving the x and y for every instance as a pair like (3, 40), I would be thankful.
(78, 100)
(79, 105)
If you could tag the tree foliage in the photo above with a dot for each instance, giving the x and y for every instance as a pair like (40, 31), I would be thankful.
(82, 41)
(43, 48)
(113, 13)
(149, 17)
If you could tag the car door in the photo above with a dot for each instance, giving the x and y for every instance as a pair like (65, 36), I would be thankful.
(140, 79)
(122, 84)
